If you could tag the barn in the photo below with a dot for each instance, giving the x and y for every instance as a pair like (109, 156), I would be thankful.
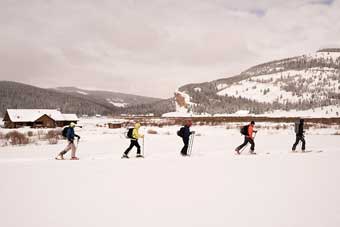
(37, 118)
(115, 125)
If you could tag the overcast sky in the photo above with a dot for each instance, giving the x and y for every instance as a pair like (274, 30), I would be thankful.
(152, 47)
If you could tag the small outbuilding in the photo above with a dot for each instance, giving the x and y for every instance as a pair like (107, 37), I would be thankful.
(115, 125)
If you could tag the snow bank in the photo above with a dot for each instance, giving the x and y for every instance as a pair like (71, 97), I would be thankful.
(212, 188)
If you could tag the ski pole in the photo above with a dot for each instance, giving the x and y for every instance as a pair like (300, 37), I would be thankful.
(77, 148)
(143, 146)
(191, 143)
(189, 148)
(243, 148)
(247, 144)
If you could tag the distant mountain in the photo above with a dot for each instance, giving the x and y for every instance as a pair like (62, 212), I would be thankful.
(17, 95)
(108, 98)
(303, 82)
(74, 100)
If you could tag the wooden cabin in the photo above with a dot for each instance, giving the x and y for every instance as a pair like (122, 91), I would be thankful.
(37, 118)
(44, 122)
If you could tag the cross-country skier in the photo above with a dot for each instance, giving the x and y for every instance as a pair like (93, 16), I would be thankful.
(134, 142)
(70, 146)
(248, 138)
(299, 135)
(185, 133)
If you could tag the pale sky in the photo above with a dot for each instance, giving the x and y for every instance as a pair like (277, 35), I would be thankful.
(152, 47)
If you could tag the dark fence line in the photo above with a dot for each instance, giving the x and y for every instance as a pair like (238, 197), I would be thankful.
(220, 120)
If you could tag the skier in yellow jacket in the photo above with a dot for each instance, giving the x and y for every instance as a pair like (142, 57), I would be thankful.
(134, 142)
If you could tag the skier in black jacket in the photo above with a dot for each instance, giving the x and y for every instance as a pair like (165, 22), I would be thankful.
(185, 134)
(300, 136)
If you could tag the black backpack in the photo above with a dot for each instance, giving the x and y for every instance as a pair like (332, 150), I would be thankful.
(129, 133)
(180, 133)
(64, 132)
(244, 130)
(296, 128)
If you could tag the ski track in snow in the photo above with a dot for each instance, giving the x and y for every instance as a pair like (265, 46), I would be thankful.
(214, 187)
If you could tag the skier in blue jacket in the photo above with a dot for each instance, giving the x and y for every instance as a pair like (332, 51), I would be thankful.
(70, 146)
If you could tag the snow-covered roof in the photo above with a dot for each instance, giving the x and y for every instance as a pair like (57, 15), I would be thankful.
(70, 117)
(31, 115)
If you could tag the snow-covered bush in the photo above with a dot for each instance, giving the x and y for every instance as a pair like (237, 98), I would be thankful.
(152, 131)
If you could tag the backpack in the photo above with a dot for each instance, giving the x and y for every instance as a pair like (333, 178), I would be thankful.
(64, 132)
(129, 133)
(296, 128)
(244, 130)
(180, 133)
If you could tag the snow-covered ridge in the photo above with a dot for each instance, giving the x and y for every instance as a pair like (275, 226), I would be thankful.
(315, 84)
(117, 102)
(303, 83)
(183, 102)
(82, 92)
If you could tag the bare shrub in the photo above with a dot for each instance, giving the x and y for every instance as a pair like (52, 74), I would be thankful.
(52, 141)
(41, 133)
(53, 134)
(29, 133)
(151, 131)
(16, 138)
(229, 127)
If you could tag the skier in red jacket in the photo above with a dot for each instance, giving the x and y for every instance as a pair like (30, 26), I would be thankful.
(248, 138)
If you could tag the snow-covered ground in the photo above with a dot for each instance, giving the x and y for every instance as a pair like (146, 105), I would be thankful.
(214, 187)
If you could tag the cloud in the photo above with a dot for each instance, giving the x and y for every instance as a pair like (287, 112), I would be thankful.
(324, 2)
(152, 47)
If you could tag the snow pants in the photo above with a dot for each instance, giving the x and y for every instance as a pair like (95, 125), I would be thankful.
(70, 146)
(298, 139)
(184, 150)
(134, 143)
(246, 141)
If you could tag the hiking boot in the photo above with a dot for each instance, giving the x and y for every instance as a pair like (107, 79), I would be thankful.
(74, 158)
(252, 152)
(139, 156)
(125, 156)
(60, 157)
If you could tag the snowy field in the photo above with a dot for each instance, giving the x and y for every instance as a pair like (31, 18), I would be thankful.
(214, 187)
